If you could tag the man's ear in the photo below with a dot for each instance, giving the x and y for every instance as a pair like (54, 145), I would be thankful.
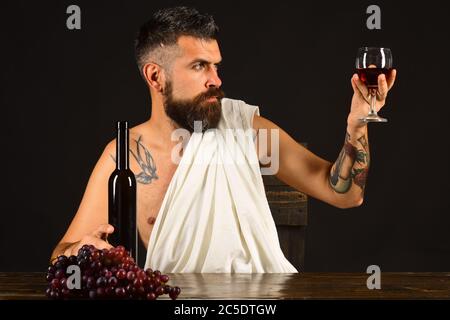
(154, 75)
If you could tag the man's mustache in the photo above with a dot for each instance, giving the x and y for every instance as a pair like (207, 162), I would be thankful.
(210, 93)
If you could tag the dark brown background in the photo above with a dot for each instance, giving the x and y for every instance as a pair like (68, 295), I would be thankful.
(61, 92)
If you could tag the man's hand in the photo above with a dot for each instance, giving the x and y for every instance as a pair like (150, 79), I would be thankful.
(96, 238)
(361, 98)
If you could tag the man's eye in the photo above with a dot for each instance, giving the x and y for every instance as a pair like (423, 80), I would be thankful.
(198, 66)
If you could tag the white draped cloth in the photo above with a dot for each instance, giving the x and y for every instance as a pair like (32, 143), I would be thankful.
(215, 217)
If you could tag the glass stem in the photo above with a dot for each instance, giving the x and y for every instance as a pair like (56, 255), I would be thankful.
(373, 97)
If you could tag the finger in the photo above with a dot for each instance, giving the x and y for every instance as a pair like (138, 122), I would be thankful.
(356, 89)
(102, 229)
(100, 244)
(360, 85)
(75, 249)
(382, 87)
(352, 81)
(391, 78)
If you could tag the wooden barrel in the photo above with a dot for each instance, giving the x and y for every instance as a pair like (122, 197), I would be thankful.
(289, 209)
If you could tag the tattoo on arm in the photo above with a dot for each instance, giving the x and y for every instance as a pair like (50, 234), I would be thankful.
(148, 173)
(352, 166)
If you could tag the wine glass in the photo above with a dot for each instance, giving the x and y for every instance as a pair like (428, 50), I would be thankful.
(370, 63)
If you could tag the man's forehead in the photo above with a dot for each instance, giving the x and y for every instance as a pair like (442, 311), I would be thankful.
(195, 48)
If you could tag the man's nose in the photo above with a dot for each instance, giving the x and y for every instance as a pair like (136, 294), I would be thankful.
(214, 80)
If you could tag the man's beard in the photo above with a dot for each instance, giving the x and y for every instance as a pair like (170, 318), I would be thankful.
(184, 112)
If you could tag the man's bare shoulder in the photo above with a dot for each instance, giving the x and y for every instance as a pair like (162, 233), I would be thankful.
(136, 134)
(139, 130)
(263, 123)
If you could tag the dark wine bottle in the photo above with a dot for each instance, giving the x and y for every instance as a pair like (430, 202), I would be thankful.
(122, 196)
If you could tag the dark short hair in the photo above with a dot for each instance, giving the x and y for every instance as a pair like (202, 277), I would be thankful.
(167, 25)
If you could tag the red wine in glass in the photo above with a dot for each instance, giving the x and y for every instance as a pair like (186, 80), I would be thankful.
(370, 63)
(370, 75)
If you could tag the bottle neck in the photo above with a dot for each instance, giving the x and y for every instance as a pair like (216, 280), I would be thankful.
(122, 146)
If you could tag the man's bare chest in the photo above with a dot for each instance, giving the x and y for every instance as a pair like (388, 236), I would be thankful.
(150, 195)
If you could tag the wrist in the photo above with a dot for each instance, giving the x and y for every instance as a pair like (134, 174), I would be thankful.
(356, 130)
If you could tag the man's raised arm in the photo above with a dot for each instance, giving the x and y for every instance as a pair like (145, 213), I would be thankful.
(340, 184)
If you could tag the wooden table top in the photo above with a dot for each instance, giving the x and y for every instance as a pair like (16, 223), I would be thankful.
(268, 286)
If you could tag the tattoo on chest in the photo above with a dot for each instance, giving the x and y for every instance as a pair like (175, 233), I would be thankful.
(145, 162)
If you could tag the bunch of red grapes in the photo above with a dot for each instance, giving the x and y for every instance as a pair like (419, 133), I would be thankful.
(107, 274)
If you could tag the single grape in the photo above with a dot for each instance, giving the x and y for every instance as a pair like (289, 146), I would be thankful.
(107, 262)
(159, 291)
(138, 283)
(120, 292)
(131, 275)
(60, 274)
(119, 255)
(149, 272)
(150, 288)
(48, 291)
(92, 294)
(54, 283)
(63, 259)
(109, 291)
(54, 294)
(104, 271)
(146, 281)
(156, 281)
(130, 289)
(112, 282)
(51, 269)
(157, 273)
(116, 260)
(141, 274)
(129, 260)
(174, 293)
(89, 272)
(84, 278)
(60, 265)
(49, 277)
(111, 254)
(101, 282)
(88, 257)
(121, 274)
(96, 265)
(96, 255)
(177, 289)
(151, 296)
(164, 278)
(90, 283)
(63, 283)
(140, 291)
(73, 260)
(101, 293)
(65, 293)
